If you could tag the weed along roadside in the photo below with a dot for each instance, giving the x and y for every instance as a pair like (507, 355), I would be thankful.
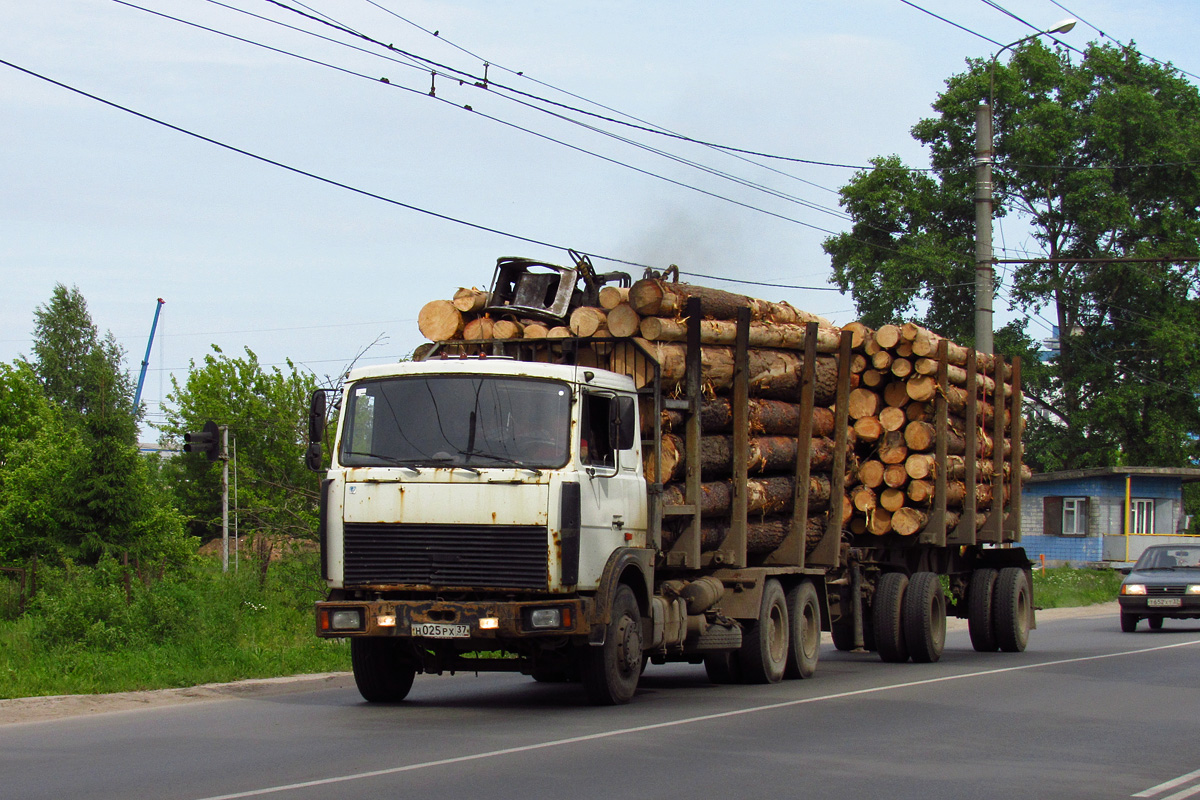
(90, 631)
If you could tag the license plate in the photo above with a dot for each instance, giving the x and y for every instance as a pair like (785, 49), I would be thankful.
(441, 630)
(1164, 602)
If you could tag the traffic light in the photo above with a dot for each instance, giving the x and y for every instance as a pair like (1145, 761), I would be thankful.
(207, 441)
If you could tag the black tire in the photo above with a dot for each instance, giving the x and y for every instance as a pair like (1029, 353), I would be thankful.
(1012, 605)
(1129, 622)
(804, 640)
(384, 669)
(764, 652)
(980, 622)
(610, 672)
(723, 668)
(886, 612)
(842, 632)
(1155, 623)
(924, 617)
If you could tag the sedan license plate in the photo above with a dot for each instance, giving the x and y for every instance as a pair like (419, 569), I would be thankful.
(1163, 602)
(441, 630)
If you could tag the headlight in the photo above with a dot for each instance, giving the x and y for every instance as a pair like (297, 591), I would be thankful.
(346, 619)
(545, 618)
(1133, 588)
(1193, 588)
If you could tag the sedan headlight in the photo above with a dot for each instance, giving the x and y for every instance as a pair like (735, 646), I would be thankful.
(1133, 588)
(1193, 588)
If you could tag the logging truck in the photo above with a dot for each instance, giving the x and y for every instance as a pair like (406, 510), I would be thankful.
(580, 474)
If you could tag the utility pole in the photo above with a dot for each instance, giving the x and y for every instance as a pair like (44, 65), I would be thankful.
(984, 268)
(224, 456)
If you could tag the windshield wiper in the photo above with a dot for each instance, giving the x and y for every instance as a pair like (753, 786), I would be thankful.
(392, 461)
(449, 462)
(506, 460)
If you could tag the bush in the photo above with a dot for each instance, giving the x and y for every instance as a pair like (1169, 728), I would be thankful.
(193, 625)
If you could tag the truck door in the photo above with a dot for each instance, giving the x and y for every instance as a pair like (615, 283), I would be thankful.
(612, 490)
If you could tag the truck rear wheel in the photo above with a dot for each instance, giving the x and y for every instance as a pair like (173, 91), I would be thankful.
(886, 612)
(610, 672)
(383, 669)
(924, 617)
(764, 650)
(980, 621)
(804, 641)
(1013, 604)
(723, 667)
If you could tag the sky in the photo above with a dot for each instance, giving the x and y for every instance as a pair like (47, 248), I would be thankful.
(344, 211)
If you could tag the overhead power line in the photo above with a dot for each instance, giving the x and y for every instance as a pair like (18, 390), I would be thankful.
(340, 184)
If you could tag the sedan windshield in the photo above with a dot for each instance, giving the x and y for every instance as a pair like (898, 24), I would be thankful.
(1169, 557)
(457, 420)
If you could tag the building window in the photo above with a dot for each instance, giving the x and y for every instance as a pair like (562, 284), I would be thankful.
(1074, 516)
(1141, 516)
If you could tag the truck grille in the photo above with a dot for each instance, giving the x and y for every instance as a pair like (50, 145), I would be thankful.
(463, 556)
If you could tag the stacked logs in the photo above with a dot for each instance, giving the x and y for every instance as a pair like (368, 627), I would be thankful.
(892, 411)
(892, 468)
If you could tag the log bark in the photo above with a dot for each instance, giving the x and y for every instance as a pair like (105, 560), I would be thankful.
(765, 454)
(761, 334)
(774, 374)
(763, 495)
(658, 298)
(771, 417)
(439, 320)
(762, 536)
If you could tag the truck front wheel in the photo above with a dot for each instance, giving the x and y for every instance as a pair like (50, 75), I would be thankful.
(610, 672)
(383, 669)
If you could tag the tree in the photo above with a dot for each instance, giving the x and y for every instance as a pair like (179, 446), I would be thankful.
(266, 412)
(1097, 159)
(72, 484)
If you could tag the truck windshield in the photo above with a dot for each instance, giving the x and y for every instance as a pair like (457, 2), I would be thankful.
(459, 420)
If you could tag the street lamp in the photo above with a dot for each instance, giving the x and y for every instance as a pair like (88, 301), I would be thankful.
(984, 268)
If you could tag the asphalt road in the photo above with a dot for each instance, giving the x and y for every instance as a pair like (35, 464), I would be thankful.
(1086, 712)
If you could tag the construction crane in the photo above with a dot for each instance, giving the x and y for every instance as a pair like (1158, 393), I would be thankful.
(137, 396)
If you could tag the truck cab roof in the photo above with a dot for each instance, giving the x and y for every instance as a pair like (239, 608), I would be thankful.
(500, 366)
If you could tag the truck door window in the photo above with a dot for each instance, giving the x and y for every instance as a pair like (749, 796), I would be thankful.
(596, 448)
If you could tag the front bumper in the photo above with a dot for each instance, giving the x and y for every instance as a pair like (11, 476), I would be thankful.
(1189, 606)
(485, 621)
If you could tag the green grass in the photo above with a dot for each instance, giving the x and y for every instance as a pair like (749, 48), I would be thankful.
(1063, 587)
(84, 635)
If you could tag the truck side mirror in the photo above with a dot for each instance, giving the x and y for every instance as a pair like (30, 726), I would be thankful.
(317, 408)
(622, 425)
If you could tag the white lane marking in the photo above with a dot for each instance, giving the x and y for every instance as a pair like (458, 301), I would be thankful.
(1171, 784)
(591, 737)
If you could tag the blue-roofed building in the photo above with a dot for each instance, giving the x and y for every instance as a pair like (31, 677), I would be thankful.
(1103, 515)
